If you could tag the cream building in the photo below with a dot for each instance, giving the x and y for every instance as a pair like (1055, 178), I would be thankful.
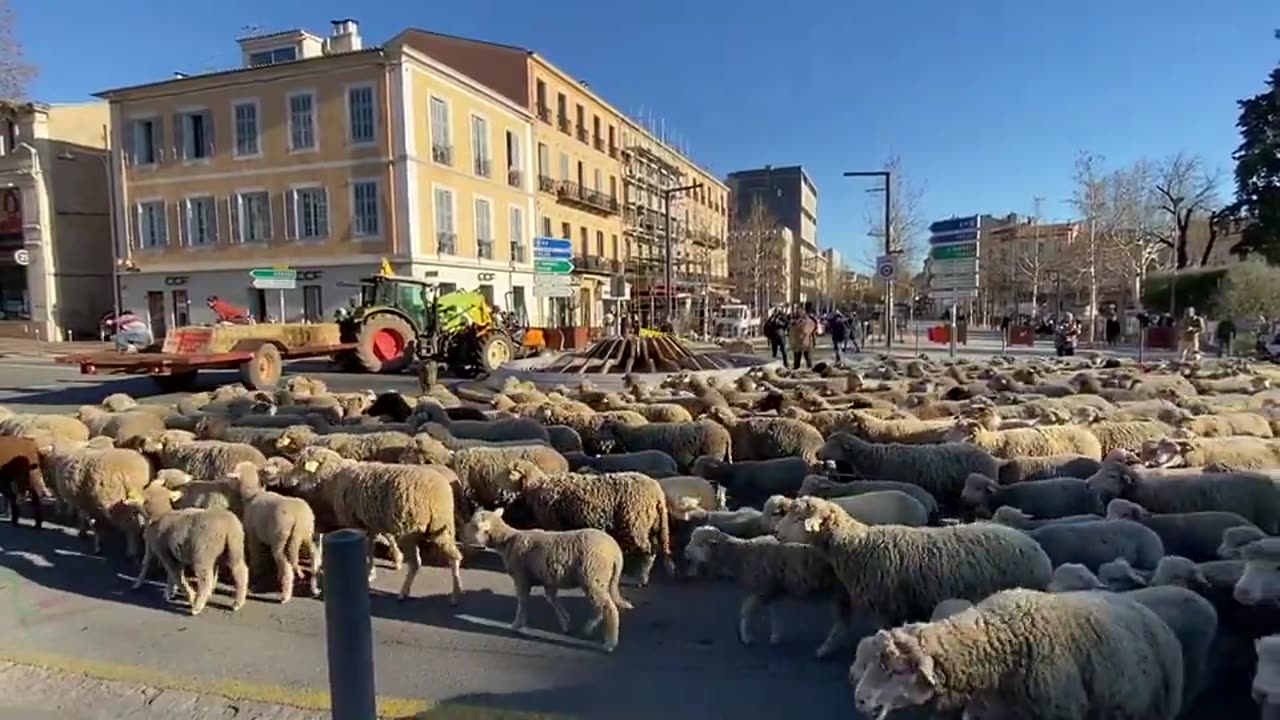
(55, 228)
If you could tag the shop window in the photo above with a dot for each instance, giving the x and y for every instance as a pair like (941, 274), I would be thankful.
(156, 314)
(312, 305)
(181, 309)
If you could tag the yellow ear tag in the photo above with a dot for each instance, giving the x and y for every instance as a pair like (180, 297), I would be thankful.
(310, 466)
(285, 441)
(812, 524)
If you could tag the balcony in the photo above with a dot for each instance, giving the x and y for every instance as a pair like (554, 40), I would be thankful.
(518, 253)
(563, 123)
(596, 265)
(446, 243)
(575, 194)
(613, 150)
(544, 114)
(442, 154)
(546, 183)
(598, 143)
(515, 178)
(582, 133)
(484, 249)
(483, 167)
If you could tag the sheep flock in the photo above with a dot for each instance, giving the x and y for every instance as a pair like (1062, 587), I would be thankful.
(1080, 537)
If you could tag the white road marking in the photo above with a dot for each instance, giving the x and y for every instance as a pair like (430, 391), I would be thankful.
(531, 632)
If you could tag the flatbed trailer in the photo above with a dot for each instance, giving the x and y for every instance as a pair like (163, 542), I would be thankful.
(175, 368)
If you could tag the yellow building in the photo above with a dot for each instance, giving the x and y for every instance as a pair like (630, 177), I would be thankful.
(55, 229)
(601, 179)
(324, 156)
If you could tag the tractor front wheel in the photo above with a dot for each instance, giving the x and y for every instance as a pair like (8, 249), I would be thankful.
(494, 351)
(384, 344)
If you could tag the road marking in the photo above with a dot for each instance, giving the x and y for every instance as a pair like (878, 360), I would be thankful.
(531, 632)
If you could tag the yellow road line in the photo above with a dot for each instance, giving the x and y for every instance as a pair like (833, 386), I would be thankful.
(388, 707)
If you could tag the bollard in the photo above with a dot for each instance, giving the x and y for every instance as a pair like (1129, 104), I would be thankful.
(348, 626)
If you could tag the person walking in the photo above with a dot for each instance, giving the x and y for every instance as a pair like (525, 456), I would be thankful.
(775, 329)
(1225, 335)
(1112, 328)
(802, 330)
(839, 332)
(1192, 329)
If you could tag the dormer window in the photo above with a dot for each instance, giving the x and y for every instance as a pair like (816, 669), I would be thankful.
(273, 56)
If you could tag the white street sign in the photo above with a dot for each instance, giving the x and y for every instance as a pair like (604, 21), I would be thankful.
(553, 291)
(22, 257)
(886, 267)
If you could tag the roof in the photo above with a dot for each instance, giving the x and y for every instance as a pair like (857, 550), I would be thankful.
(108, 94)
(278, 33)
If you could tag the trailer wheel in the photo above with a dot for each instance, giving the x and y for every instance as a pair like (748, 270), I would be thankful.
(263, 370)
(175, 382)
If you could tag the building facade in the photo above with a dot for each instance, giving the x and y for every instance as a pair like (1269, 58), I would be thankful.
(56, 259)
(791, 199)
(326, 157)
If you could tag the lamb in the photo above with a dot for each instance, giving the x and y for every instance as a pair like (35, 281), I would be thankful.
(587, 558)
(1119, 575)
(1194, 535)
(190, 538)
(1042, 440)
(266, 440)
(1253, 496)
(652, 411)
(1234, 453)
(412, 503)
(1057, 497)
(200, 458)
(653, 463)
(1260, 582)
(1022, 469)
(765, 438)
(1094, 542)
(1227, 425)
(629, 506)
(824, 487)
(371, 446)
(1024, 653)
(197, 494)
(47, 428)
(1232, 385)
(20, 476)
(119, 425)
(968, 562)
(93, 479)
(686, 442)
(283, 525)
(482, 470)
(744, 523)
(1013, 517)
(941, 469)
(767, 570)
(752, 482)
(686, 493)
(879, 507)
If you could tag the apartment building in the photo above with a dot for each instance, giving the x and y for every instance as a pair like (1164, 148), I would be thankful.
(601, 182)
(56, 260)
(1022, 257)
(324, 156)
(791, 199)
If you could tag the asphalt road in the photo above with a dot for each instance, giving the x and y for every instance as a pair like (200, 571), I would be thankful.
(678, 657)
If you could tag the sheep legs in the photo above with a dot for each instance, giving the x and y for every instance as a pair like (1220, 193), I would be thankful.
(206, 578)
(240, 577)
(284, 571)
(841, 610)
(601, 599)
(142, 570)
(748, 609)
(522, 602)
(562, 615)
(416, 545)
(313, 552)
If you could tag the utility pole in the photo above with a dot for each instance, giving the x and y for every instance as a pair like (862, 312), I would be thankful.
(666, 209)
(1035, 210)
(888, 245)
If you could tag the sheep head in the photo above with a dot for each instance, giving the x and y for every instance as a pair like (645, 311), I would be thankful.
(698, 549)
(154, 500)
(276, 470)
(1260, 583)
(1167, 452)
(173, 478)
(244, 479)
(1010, 516)
(1234, 539)
(1111, 481)
(1121, 509)
(1180, 571)
(1119, 575)
(480, 528)
(977, 492)
(1266, 680)
(808, 520)
(891, 671)
(522, 473)
(1074, 576)
(964, 431)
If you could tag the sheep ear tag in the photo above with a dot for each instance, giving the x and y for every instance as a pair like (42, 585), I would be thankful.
(310, 466)
(812, 524)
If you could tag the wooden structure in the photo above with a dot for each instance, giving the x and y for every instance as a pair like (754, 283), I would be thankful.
(637, 354)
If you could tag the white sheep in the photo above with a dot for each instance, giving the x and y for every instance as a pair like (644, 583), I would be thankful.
(587, 558)
(764, 438)
(940, 469)
(45, 428)
(1013, 517)
(1234, 453)
(1251, 495)
(203, 459)
(1022, 469)
(285, 526)
(93, 479)
(1195, 535)
(824, 487)
(686, 442)
(482, 471)
(1044, 440)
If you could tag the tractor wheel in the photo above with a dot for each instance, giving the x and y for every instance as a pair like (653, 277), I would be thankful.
(385, 344)
(494, 351)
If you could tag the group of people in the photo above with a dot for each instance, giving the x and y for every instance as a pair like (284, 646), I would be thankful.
(798, 331)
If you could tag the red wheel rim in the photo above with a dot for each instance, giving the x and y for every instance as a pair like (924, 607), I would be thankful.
(387, 345)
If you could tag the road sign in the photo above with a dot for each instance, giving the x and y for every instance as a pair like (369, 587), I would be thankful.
(954, 225)
(543, 243)
(22, 257)
(954, 252)
(962, 236)
(552, 254)
(553, 267)
(886, 267)
(553, 286)
(274, 278)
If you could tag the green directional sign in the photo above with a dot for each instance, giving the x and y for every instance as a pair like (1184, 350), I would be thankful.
(553, 267)
(273, 274)
(954, 252)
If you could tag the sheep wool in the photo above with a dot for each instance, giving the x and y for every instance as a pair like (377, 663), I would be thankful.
(94, 479)
(482, 471)
(1057, 497)
(1251, 495)
(941, 469)
(1040, 440)
(765, 438)
(1022, 469)
(824, 487)
(1094, 542)
(686, 442)
(751, 482)
(283, 526)
(1194, 535)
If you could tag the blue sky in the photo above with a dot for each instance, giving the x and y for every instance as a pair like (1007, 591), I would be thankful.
(986, 101)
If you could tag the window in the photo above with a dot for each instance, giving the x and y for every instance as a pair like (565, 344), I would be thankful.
(515, 160)
(251, 217)
(312, 304)
(599, 180)
(564, 166)
(361, 114)
(245, 120)
(582, 123)
(613, 187)
(613, 148)
(582, 175)
(8, 136)
(156, 313)
(181, 308)
(364, 208)
(582, 233)
(480, 145)
(308, 217)
(515, 221)
(614, 247)
(202, 222)
(544, 160)
(487, 292)
(194, 134)
(146, 142)
(562, 112)
(517, 304)
(544, 112)
(447, 287)
(441, 140)
(566, 231)
(599, 243)
(271, 57)
(446, 240)
(302, 121)
(152, 226)
(546, 226)
(484, 229)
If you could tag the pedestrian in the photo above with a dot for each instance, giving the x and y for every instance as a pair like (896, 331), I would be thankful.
(1192, 329)
(608, 323)
(775, 329)
(1226, 334)
(1112, 329)
(839, 332)
(803, 329)
(131, 332)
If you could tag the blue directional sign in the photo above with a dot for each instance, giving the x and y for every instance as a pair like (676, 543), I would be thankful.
(545, 243)
(962, 236)
(954, 225)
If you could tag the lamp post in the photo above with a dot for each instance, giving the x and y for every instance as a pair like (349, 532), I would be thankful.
(888, 245)
(666, 210)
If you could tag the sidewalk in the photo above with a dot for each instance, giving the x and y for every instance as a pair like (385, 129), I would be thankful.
(28, 348)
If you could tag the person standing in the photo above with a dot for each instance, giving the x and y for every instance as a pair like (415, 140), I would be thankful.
(1112, 328)
(839, 332)
(775, 329)
(803, 329)
(1192, 329)
(1226, 334)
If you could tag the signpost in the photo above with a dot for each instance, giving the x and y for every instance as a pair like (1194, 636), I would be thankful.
(22, 257)
(886, 267)
(954, 253)
(552, 268)
(279, 278)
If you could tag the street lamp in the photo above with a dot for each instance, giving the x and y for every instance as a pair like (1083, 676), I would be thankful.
(888, 245)
(666, 210)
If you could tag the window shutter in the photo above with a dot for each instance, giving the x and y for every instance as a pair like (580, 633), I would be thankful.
(233, 215)
(178, 229)
(291, 214)
(135, 222)
(208, 130)
(157, 139)
(211, 219)
(179, 149)
(130, 132)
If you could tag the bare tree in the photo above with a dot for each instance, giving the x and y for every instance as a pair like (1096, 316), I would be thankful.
(757, 256)
(1086, 256)
(15, 72)
(1030, 262)
(1135, 221)
(1185, 189)
(906, 221)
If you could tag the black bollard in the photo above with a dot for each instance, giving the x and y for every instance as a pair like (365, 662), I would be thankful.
(348, 626)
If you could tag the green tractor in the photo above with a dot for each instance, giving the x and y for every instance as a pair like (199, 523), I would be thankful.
(400, 319)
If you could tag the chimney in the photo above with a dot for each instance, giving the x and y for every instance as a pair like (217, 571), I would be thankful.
(344, 36)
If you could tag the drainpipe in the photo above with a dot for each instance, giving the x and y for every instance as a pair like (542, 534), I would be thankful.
(393, 231)
(50, 326)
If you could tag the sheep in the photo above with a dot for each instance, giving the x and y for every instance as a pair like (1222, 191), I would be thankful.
(1209, 578)
(1056, 497)
(93, 479)
(1227, 425)
(1094, 542)
(492, 430)
(751, 482)
(1235, 538)
(200, 458)
(1260, 581)
(767, 570)
(371, 446)
(1127, 435)
(686, 442)
(744, 523)
(564, 438)
(879, 507)
(586, 558)
(20, 476)
(949, 607)
(941, 469)
(212, 427)
(1119, 575)
(1025, 653)
(1022, 469)
(119, 425)
(1253, 496)
(765, 438)
(1194, 535)
(47, 428)
(1043, 440)
(652, 411)
(909, 431)
(824, 487)
(482, 470)
(1231, 385)
(686, 493)
(1266, 679)
(197, 494)
(283, 525)
(190, 538)
(1013, 517)
(929, 564)
(629, 506)
(1234, 453)
(653, 463)
(412, 503)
